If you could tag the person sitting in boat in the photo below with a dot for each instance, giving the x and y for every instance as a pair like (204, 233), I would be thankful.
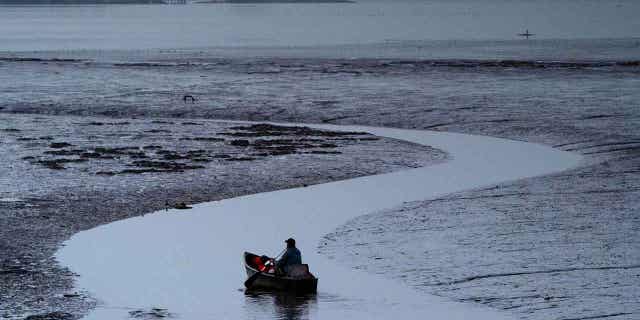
(291, 256)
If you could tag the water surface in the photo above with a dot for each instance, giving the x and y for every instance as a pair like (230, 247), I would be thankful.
(27, 28)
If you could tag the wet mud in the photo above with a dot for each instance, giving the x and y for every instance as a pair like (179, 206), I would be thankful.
(563, 246)
(83, 175)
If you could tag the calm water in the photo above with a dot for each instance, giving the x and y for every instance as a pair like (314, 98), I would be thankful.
(421, 28)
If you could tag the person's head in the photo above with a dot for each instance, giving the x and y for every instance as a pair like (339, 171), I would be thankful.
(291, 243)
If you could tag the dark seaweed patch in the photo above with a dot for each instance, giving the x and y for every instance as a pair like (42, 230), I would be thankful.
(59, 145)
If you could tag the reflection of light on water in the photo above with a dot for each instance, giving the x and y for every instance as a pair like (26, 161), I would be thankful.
(286, 306)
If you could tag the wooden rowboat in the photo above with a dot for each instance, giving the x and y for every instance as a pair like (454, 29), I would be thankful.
(299, 280)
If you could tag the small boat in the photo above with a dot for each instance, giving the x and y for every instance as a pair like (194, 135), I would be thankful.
(526, 34)
(298, 280)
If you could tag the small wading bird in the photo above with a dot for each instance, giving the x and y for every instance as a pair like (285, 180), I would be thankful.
(526, 34)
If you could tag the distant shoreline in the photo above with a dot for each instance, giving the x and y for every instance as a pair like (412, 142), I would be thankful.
(271, 1)
(108, 2)
(77, 2)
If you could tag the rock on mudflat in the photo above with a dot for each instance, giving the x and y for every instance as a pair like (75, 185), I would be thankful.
(153, 313)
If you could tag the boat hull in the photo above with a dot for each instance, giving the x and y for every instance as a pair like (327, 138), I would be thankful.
(272, 282)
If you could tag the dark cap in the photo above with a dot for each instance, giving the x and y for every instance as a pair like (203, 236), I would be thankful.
(290, 241)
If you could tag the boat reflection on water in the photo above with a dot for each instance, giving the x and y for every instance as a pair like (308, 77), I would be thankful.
(279, 305)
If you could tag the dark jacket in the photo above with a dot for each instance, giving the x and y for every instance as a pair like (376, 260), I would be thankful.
(290, 257)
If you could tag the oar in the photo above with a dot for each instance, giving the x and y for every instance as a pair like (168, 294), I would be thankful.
(249, 282)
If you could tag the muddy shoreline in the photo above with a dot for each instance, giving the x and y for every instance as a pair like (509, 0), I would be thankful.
(78, 195)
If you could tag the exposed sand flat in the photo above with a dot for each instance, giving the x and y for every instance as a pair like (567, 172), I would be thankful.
(190, 262)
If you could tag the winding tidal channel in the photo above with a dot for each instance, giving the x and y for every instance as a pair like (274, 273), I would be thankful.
(187, 263)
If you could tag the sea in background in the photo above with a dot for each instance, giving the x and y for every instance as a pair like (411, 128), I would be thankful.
(566, 29)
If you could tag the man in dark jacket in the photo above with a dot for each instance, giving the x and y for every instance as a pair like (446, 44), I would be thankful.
(290, 257)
